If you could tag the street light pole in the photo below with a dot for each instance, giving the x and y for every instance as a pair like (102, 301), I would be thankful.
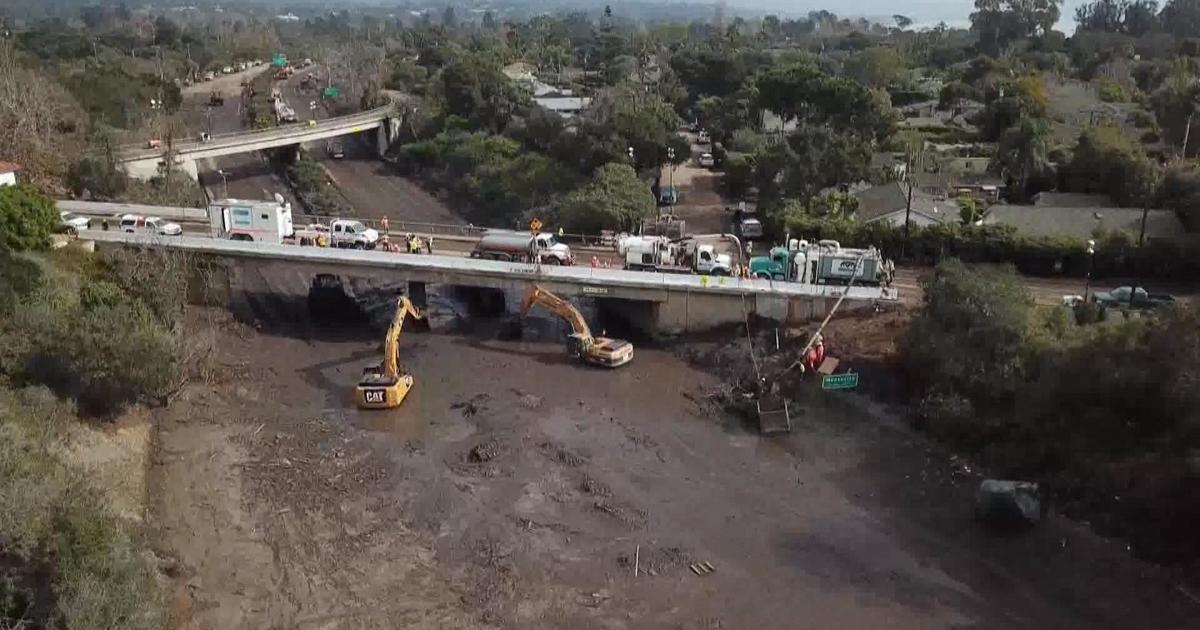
(1087, 282)
(224, 181)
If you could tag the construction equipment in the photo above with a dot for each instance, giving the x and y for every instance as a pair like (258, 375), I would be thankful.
(384, 386)
(601, 351)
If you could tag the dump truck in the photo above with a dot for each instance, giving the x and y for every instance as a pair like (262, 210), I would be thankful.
(522, 247)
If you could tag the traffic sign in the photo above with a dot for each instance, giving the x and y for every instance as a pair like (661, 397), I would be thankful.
(535, 225)
(848, 380)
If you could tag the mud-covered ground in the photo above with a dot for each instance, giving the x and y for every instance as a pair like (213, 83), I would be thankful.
(516, 489)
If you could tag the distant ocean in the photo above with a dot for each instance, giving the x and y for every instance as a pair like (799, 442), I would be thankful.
(924, 13)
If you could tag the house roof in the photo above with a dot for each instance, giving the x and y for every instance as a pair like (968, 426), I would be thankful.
(1070, 200)
(880, 201)
(9, 167)
(1082, 222)
(563, 103)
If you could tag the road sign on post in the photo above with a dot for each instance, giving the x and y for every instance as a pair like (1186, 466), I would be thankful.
(535, 225)
(848, 380)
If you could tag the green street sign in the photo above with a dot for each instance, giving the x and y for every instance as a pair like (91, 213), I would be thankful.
(332, 92)
(849, 380)
(279, 61)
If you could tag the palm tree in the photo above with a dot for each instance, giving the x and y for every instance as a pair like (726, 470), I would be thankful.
(1023, 153)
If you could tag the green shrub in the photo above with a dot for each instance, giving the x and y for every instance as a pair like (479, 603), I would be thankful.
(1110, 91)
(27, 219)
(96, 178)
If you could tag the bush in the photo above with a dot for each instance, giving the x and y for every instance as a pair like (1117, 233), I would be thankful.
(69, 561)
(1106, 415)
(1110, 91)
(27, 219)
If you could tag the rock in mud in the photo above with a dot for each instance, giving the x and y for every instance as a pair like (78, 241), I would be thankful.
(1008, 504)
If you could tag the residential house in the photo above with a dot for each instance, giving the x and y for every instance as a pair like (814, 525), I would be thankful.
(1084, 222)
(565, 106)
(8, 173)
(889, 203)
(968, 176)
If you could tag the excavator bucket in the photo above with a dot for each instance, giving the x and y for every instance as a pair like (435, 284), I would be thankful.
(774, 415)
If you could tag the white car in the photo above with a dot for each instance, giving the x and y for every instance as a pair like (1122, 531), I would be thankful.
(227, 70)
(703, 136)
(73, 221)
(135, 224)
(706, 160)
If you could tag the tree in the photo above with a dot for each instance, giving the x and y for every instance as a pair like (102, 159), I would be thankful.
(1180, 191)
(968, 336)
(27, 219)
(810, 160)
(643, 121)
(1106, 161)
(96, 178)
(902, 21)
(1181, 17)
(166, 32)
(449, 19)
(999, 23)
(616, 198)
(1023, 154)
(876, 67)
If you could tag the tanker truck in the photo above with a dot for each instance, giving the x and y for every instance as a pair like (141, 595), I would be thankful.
(522, 247)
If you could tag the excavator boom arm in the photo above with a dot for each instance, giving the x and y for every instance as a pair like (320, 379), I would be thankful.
(391, 347)
(558, 306)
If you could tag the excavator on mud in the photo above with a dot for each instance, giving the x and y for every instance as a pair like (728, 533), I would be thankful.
(384, 386)
(601, 351)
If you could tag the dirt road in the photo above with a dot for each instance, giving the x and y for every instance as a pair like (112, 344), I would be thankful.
(517, 489)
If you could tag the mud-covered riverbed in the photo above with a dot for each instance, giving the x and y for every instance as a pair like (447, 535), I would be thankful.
(517, 489)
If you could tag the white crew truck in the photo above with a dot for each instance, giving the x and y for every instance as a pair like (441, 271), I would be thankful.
(659, 253)
(340, 233)
(258, 221)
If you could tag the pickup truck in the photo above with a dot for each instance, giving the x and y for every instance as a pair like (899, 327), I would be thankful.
(339, 233)
(1120, 297)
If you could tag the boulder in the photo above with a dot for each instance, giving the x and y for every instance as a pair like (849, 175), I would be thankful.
(1008, 504)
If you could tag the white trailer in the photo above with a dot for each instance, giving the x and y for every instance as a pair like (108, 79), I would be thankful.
(259, 221)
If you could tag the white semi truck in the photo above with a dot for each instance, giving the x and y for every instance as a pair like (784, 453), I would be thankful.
(258, 221)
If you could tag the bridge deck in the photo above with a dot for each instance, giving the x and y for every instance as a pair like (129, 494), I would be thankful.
(583, 277)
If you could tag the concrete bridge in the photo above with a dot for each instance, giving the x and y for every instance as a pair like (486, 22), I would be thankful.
(654, 302)
(144, 163)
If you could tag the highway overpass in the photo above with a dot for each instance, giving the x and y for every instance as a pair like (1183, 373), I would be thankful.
(143, 162)
(660, 303)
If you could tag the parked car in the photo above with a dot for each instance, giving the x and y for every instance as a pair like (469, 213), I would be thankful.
(1129, 297)
(668, 196)
(137, 224)
(706, 160)
(72, 221)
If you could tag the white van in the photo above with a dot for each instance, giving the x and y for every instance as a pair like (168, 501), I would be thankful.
(137, 224)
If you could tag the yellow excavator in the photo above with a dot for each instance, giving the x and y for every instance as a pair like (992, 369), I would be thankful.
(602, 351)
(384, 386)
